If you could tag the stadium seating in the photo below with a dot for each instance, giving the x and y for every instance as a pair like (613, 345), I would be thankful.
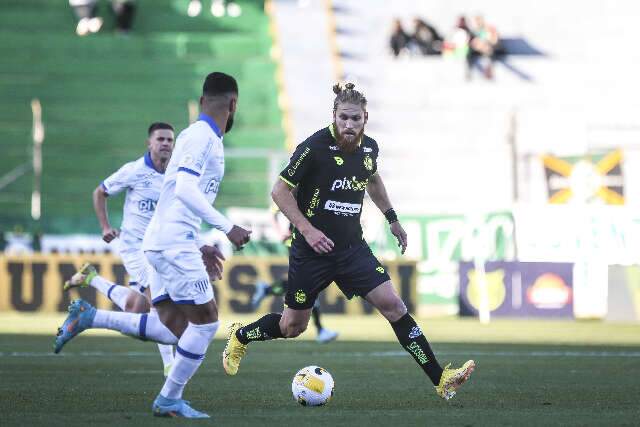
(99, 93)
(445, 141)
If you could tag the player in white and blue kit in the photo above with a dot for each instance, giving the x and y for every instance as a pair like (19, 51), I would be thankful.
(186, 314)
(142, 181)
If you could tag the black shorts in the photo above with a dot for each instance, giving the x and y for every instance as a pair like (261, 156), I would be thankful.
(355, 270)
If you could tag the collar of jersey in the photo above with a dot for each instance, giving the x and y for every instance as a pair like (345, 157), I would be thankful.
(211, 124)
(333, 134)
(149, 162)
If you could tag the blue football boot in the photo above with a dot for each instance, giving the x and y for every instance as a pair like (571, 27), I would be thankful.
(80, 317)
(164, 407)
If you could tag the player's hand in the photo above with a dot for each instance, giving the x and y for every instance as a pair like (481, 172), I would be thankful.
(318, 241)
(108, 234)
(212, 258)
(239, 236)
(401, 235)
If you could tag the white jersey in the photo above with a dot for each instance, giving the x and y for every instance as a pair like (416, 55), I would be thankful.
(142, 182)
(198, 151)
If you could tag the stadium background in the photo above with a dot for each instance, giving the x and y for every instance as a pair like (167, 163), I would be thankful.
(520, 195)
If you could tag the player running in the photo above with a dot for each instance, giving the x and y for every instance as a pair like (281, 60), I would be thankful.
(142, 180)
(187, 314)
(331, 170)
(279, 287)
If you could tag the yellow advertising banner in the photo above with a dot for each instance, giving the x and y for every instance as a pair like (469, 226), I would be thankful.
(33, 283)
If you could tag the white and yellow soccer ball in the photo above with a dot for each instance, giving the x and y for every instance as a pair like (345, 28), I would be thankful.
(312, 386)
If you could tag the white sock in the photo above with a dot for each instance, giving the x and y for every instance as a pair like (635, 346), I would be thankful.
(166, 352)
(190, 352)
(116, 293)
(143, 326)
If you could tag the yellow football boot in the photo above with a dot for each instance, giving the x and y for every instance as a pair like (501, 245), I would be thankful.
(233, 352)
(452, 379)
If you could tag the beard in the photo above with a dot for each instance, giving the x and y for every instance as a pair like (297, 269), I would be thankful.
(229, 124)
(347, 142)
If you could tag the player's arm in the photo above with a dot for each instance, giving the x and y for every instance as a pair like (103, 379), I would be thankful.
(188, 192)
(100, 206)
(283, 197)
(379, 196)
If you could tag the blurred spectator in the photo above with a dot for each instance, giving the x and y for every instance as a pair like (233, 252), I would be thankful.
(484, 45)
(457, 42)
(88, 22)
(124, 10)
(425, 39)
(18, 242)
(399, 38)
(86, 11)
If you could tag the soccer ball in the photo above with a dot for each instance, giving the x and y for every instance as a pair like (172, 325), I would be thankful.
(312, 386)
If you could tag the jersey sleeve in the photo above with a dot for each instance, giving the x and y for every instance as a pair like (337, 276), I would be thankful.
(374, 157)
(193, 157)
(299, 165)
(120, 180)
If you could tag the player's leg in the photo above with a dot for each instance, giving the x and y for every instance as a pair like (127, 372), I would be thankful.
(385, 298)
(300, 296)
(263, 290)
(122, 296)
(191, 291)
(146, 326)
(324, 335)
(82, 316)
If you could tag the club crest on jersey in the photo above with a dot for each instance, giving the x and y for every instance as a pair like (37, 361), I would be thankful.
(300, 296)
(338, 160)
(368, 163)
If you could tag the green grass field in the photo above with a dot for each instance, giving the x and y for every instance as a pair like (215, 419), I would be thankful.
(543, 380)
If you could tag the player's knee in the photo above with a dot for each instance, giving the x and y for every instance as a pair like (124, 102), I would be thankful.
(292, 330)
(136, 304)
(393, 309)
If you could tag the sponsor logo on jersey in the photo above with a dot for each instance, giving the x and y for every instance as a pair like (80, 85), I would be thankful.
(292, 170)
(367, 149)
(349, 184)
(147, 205)
(334, 147)
(212, 186)
(380, 269)
(315, 201)
(338, 160)
(347, 209)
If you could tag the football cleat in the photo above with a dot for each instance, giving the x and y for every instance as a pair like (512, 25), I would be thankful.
(259, 294)
(452, 379)
(326, 335)
(234, 351)
(81, 315)
(82, 278)
(163, 407)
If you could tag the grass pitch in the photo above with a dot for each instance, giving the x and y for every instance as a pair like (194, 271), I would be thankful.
(100, 380)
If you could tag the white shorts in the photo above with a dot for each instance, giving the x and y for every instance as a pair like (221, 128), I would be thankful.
(136, 264)
(179, 275)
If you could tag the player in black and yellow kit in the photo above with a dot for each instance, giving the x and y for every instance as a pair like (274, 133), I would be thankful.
(331, 171)
(279, 288)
